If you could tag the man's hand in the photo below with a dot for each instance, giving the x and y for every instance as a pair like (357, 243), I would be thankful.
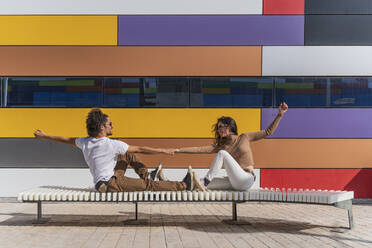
(39, 134)
(282, 108)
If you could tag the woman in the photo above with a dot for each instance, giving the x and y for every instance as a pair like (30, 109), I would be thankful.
(234, 152)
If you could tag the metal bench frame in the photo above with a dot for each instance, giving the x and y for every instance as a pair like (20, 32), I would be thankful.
(347, 205)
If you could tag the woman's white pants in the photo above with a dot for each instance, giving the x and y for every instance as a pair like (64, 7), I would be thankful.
(237, 178)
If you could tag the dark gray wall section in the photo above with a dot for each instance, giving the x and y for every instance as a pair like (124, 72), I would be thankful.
(33, 153)
(338, 30)
(338, 7)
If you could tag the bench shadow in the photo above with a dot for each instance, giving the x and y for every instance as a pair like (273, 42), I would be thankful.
(198, 223)
(156, 220)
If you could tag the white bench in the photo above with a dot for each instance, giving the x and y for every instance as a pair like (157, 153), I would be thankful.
(340, 199)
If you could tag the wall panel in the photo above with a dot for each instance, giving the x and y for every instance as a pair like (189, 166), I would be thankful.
(128, 122)
(317, 61)
(128, 7)
(58, 30)
(283, 7)
(328, 30)
(211, 30)
(14, 181)
(321, 123)
(130, 61)
(338, 7)
(357, 180)
(34, 153)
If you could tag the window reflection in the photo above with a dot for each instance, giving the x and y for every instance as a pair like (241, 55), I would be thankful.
(146, 92)
(351, 92)
(232, 92)
(54, 92)
(324, 91)
(301, 91)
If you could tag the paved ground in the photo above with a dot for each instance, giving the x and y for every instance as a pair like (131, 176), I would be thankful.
(184, 225)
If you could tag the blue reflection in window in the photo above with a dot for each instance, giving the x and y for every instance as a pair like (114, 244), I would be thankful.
(54, 92)
(301, 91)
(231, 92)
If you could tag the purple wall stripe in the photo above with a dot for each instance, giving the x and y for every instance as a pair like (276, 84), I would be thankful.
(321, 123)
(211, 30)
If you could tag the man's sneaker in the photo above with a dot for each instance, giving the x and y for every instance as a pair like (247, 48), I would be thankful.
(155, 173)
(189, 179)
(197, 185)
(161, 176)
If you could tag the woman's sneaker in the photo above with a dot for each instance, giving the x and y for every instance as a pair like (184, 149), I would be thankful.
(206, 182)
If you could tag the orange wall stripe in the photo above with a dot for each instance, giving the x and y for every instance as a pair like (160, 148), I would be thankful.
(130, 61)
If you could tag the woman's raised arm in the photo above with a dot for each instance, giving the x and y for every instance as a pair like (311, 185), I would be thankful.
(253, 136)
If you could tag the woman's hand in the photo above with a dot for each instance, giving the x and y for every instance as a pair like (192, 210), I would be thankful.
(39, 134)
(282, 108)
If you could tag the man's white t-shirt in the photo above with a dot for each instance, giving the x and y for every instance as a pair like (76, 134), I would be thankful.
(101, 155)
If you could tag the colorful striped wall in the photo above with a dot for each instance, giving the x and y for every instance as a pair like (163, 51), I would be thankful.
(313, 147)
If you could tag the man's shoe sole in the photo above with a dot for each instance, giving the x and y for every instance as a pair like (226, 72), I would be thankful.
(189, 171)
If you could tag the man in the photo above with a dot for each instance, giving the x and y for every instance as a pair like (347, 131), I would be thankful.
(108, 159)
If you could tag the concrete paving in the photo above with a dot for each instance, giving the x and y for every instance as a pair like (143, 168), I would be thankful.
(184, 225)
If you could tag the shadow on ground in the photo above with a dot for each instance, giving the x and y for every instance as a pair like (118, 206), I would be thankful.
(128, 218)
(204, 223)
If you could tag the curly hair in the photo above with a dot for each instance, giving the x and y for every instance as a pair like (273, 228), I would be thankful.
(219, 141)
(95, 120)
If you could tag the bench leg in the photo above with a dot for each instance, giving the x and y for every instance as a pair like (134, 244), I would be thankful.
(234, 220)
(135, 221)
(348, 206)
(136, 210)
(234, 212)
(39, 219)
(351, 219)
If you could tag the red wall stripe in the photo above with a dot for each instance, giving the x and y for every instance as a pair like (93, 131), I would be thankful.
(357, 180)
(284, 7)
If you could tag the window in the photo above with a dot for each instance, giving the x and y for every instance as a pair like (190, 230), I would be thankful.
(185, 92)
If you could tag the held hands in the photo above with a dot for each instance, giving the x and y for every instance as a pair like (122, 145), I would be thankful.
(282, 108)
(39, 134)
(170, 151)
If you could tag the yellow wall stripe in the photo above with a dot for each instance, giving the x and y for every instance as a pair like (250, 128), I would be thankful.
(58, 30)
(131, 123)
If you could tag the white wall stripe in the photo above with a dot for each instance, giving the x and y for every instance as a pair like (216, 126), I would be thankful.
(129, 7)
(14, 181)
(317, 61)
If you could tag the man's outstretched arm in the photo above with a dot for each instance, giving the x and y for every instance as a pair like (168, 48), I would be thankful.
(41, 135)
